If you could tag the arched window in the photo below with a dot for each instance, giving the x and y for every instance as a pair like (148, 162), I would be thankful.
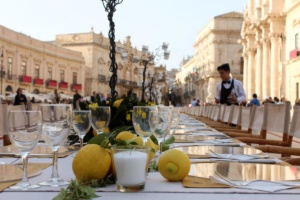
(8, 89)
(36, 91)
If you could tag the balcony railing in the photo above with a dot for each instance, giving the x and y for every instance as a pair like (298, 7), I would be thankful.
(294, 53)
(52, 83)
(63, 85)
(76, 87)
(38, 81)
(25, 79)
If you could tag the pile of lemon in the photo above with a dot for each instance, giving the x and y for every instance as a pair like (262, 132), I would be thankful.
(94, 162)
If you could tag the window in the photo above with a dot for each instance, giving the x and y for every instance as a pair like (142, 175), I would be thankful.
(37, 71)
(23, 68)
(9, 66)
(62, 75)
(297, 41)
(50, 73)
(74, 77)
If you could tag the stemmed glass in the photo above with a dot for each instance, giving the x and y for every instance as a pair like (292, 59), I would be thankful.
(56, 120)
(100, 118)
(24, 132)
(174, 120)
(160, 122)
(81, 123)
(141, 122)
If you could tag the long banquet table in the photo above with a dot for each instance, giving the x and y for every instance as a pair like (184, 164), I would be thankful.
(156, 188)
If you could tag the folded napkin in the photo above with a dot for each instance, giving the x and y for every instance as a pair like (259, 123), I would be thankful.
(261, 185)
(254, 158)
(206, 144)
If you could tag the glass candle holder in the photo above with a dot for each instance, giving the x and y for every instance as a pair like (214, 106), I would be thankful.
(131, 166)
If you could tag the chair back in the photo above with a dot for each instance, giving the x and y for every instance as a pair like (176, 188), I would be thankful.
(216, 113)
(295, 124)
(235, 115)
(226, 114)
(245, 117)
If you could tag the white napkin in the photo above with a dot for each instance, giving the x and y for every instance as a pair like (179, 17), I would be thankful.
(206, 144)
(254, 158)
(261, 185)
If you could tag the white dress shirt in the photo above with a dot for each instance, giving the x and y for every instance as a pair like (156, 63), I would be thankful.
(238, 88)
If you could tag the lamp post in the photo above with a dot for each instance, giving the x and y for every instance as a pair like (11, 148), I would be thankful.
(110, 7)
(2, 58)
(145, 59)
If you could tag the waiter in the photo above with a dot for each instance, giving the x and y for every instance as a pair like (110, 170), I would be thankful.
(229, 91)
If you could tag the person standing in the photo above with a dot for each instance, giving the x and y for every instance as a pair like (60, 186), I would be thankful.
(56, 97)
(76, 98)
(20, 98)
(229, 91)
(93, 97)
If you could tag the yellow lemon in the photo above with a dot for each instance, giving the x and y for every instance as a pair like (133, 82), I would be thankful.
(100, 124)
(153, 147)
(117, 103)
(174, 165)
(127, 135)
(91, 162)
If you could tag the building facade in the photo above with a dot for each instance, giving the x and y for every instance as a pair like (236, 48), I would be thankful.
(95, 50)
(38, 67)
(264, 39)
(215, 44)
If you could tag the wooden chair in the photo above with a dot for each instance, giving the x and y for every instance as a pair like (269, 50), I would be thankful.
(276, 118)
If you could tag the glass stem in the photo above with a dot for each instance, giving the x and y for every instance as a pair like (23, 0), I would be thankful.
(99, 132)
(160, 140)
(54, 174)
(145, 140)
(81, 142)
(24, 163)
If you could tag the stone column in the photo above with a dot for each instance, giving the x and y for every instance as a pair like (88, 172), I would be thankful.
(245, 74)
(250, 71)
(274, 66)
(265, 69)
(258, 71)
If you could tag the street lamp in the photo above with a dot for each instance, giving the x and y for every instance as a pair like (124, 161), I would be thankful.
(145, 59)
(110, 7)
(2, 58)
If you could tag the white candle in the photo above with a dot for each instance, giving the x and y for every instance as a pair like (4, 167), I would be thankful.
(130, 167)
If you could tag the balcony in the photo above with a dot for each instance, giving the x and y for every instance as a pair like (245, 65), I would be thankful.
(101, 78)
(76, 87)
(25, 79)
(11, 77)
(63, 85)
(38, 81)
(52, 84)
(294, 53)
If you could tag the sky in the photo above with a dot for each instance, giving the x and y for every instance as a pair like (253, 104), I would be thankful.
(148, 22)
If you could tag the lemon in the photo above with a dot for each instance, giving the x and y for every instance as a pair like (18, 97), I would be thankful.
(174, 165)
(91, 162)
(117, 103)
(153, 147)
(127, 135)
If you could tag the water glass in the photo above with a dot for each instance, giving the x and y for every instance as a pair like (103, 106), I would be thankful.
(140, 120)
(100, 118)
(24, 132)
(160, 122)
(56, 120)
(81, 123)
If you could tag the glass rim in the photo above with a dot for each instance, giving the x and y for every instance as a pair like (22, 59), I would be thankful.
(131, 147)
(61, 104)
(87, 111)
(28, 111)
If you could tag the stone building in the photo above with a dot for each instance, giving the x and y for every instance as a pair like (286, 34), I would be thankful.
(38, 66)
(264, 39)
(95, 50)
(215, 44)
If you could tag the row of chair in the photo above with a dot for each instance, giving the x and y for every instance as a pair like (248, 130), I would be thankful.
(252, 125)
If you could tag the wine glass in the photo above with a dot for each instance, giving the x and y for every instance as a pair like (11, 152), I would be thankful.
(81, 123)
(174, 120)
(56, 120)
(160, 122)
(140, 120)
(100, 118)
(24, 132)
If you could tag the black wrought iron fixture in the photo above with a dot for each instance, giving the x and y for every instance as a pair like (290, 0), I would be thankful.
(145, 59)
(110, 7)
